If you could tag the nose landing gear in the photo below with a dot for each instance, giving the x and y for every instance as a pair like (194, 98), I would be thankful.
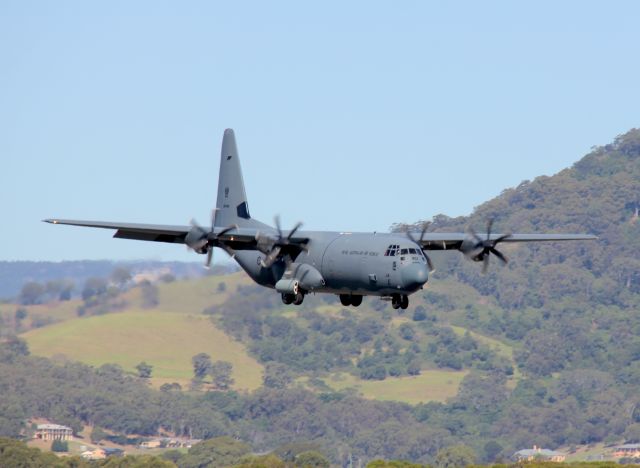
(400, 301)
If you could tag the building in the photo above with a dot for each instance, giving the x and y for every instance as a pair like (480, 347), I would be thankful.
(169, 442)
(627, 451)
(101, 453)
(179, 442)
(152, 276)
(540, 454)
(53, 432)
(149, 444)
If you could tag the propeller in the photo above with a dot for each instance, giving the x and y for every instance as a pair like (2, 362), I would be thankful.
(273, 247)
(203, 241)
(410, 235)
(486, 246)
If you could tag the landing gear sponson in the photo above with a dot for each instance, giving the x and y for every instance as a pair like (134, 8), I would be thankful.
(398, 301)
(345, 299)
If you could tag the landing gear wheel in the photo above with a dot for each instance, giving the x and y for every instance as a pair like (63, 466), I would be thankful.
(299, 297)
(288, 298)
(345, 299)
(356, 300)
(396, 301)
(404, 301)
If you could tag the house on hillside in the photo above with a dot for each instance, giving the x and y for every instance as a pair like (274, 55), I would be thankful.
(169, 442)
(180, 443)
(53, 432)
(152, 276)
(149, 444)
(627, 451)
(101, 453)
(539, 454)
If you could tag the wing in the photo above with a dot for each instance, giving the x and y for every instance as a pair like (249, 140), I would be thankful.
(146, 232)
(454, 240)
(231, 238)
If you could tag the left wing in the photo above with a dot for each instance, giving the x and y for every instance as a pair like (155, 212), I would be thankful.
(478, 248)
(455, 240)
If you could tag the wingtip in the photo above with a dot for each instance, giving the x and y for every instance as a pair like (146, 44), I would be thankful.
(50, 221)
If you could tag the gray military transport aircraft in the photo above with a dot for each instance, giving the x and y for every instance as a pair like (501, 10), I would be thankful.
(294, 263)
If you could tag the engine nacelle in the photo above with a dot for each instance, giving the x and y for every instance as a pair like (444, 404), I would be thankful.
(472, 249)
(196, 240)
(288, 286)
(308, 277)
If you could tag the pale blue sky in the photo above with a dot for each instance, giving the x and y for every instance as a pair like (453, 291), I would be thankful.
(349, 115)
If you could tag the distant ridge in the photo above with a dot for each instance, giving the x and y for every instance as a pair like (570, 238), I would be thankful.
(14, 274)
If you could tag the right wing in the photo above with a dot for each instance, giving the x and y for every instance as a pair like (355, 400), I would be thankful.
(146, 232)
(232, 238)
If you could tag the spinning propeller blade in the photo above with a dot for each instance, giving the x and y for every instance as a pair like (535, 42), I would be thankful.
(425, 226)
(479, 249)
(203, 241)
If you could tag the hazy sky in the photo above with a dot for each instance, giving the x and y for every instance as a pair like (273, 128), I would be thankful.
(348, 115)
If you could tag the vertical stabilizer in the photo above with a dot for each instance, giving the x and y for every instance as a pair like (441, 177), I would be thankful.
(232, 199)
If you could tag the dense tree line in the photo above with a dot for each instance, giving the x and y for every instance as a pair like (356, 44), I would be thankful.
(578, 407)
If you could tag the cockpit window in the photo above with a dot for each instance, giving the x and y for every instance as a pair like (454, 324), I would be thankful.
(403, 252)
(391, 251)
(413, 251)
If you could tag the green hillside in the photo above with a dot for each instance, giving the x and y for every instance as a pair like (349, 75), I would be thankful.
(169, 334)
(166, 341)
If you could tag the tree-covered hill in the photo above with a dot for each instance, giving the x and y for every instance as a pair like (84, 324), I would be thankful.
(573, 305)
(572, 310)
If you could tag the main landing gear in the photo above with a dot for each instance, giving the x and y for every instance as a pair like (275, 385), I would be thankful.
(400, 301)
(295, 299)
(350, 299)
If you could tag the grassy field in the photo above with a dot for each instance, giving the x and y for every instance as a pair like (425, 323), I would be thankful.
(193, 296)
(183, 296)
(166, 341)
(430, 385)
(595, 452)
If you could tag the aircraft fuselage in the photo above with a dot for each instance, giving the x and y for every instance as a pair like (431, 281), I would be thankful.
(350, 263)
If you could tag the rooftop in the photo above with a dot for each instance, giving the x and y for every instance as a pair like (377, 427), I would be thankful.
(53, 427)
(538, 451)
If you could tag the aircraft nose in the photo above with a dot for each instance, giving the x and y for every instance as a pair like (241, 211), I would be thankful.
(414, 275)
